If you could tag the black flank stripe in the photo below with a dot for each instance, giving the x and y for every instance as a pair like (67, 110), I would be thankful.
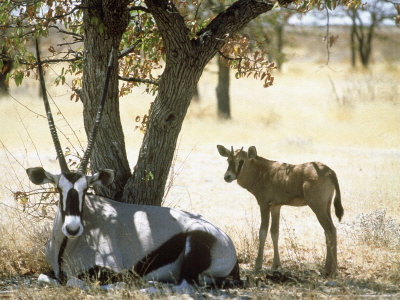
(199, 257)
(164, 255)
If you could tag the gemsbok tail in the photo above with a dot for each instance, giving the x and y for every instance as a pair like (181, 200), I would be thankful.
(337, 202)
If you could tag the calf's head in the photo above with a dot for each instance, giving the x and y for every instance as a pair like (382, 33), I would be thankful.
(72, 187)
(236, 159)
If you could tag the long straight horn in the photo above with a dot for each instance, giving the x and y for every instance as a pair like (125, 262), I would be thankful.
(53, 131)
(92, 136)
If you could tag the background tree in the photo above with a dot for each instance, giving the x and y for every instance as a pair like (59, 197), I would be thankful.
(265, 32)
(222, 90)
(143, 32)
(268, 33)
(364, 21)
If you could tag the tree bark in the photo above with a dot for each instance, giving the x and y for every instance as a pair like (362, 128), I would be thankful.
(353, 47)
(367, 47)
(223, 99)
(104, 23)
(353, 38)
(279, 30)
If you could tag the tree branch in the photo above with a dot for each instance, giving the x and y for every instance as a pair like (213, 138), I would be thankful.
(139, 80)
(75, 35)
(233, 19)
(56, 17)
(58, 60)
(128, 50)
(170, 23)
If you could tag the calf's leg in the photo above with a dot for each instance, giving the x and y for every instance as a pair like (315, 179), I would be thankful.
(275, 214)
(331, 243)
(319, 199)
(262, 235)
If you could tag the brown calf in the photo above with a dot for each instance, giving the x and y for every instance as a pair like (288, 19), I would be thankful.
(275, 184)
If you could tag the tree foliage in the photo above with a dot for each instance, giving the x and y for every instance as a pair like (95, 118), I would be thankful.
(145, 33)
(141, 48)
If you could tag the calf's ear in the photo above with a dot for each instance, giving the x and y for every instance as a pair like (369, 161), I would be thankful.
(252, 152)
(39, 176)
(223, 151)
(103, 177)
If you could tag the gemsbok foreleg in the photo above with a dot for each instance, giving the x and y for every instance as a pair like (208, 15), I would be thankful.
(275, 215)
(262, 235)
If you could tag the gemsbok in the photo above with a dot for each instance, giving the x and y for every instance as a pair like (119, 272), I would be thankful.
(96, 233)
(275, 184)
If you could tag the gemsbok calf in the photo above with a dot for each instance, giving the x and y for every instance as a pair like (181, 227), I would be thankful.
(157, 243)
(275, 184)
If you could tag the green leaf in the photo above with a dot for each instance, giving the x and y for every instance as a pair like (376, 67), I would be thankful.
(276, 5)
(101, 28)
(18, 77)
(94, 20)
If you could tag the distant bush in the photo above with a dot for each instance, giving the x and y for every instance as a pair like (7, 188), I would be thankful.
(376, 228)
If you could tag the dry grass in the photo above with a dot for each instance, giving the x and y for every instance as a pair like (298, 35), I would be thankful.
(347, 119)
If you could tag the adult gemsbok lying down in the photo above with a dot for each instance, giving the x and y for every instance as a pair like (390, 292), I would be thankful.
(275, 184)
(92, 232)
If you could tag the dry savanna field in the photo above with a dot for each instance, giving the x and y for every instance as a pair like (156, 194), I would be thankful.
(346, 118)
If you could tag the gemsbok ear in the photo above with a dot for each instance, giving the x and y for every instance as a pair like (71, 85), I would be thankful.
(104, 177)
(39, 176)
(252, 152)
(223, 151)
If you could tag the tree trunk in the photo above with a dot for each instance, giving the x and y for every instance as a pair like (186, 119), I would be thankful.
(364, 40)
(224, 109)
(176, 88)
(353, 35)
(280, 57)
(185, 61)
(353, 46)
(104, 25)
(368, 45)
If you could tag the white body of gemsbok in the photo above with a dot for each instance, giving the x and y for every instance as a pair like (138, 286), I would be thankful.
(156, 243)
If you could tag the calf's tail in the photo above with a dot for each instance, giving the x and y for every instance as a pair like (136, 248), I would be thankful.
(337, 202)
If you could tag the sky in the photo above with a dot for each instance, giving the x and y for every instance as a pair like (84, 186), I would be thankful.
(339, 17)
